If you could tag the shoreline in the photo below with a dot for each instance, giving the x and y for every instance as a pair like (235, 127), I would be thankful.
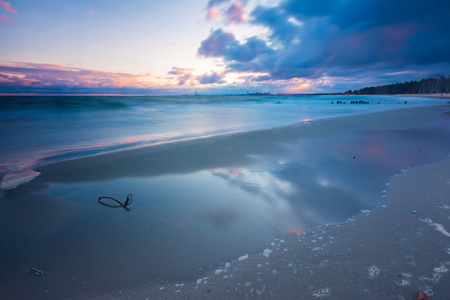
(240, 279)
(348, 259)
(436, 95)
(20, 169)
(73, 169)
(330, 260)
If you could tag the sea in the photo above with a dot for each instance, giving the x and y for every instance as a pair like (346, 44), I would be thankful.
(37, 130)
(183, 221)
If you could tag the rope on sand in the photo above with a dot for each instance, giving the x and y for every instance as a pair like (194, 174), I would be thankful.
(127, 202)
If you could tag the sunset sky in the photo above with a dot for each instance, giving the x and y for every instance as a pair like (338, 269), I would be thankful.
(219, 46)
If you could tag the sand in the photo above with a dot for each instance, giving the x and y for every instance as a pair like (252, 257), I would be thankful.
(227, 150)
(386, 253)
(389, 252)
(436, 95)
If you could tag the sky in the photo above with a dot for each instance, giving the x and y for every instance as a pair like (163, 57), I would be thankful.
(219, 46)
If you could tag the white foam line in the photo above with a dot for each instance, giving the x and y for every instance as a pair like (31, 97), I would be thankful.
(267, 252)
(218, 271)
(438, 273)
(322, 293)
(244, 257)
(437, 226)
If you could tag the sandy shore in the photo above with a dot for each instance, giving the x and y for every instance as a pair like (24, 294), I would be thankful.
(387, 253)
(390, 252)
(437, 95)
(228, 150)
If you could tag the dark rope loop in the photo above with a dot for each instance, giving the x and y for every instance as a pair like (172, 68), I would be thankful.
(128, 201)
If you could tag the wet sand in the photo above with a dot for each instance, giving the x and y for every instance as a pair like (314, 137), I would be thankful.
(388, 252)
(229, 150)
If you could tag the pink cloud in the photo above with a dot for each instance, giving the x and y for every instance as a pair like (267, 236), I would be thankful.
(8, 7)
(183, 75)
(236, 13)
(180, 71)
(30, 74)
(213, 14)
(186, 77)
(7, 19)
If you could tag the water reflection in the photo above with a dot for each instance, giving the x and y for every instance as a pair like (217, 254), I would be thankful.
(195, 204)
(270, 196)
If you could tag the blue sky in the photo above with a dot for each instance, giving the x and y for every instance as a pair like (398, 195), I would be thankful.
(219, 46)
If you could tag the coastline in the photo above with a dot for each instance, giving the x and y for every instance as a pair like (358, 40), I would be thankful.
(390, 252)
(348, 260)
(227, 149)
(436, 95)
(60, 145)
(325, 260)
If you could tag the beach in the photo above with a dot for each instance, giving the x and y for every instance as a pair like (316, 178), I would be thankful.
(388, 253)
(435, 95)
(349, 207)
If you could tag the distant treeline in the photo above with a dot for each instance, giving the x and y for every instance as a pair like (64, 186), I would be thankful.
(438, 84)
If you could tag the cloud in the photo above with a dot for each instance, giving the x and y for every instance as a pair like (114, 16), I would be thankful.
(185, 76)
(214, 3)
(180, 71)
(232, 14)
(8, 7)
(20, 78)
(216, 44)
(15, 76)
(223, 44)
(7, 19)
(283, 28)
(316, 39)
(213, 14)
(214, 77)
(235, 13)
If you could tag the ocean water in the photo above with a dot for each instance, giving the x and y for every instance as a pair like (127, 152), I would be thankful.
(41, 129)
(204, 209)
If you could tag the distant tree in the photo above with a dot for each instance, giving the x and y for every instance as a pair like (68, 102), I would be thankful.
(437, 84)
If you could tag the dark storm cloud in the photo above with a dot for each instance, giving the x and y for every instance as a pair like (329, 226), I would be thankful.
(223, 44)
(278, 21)
(341, 38)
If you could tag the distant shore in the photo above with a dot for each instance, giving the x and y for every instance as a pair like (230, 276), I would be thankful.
(436, 95)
